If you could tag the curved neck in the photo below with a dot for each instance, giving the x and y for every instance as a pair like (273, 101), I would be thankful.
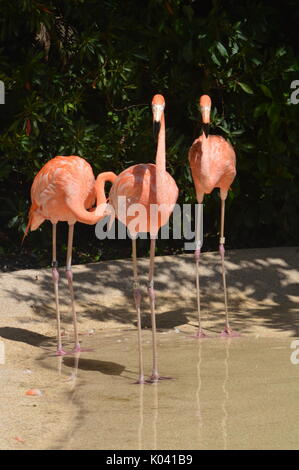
(101, 180)
(92, 217)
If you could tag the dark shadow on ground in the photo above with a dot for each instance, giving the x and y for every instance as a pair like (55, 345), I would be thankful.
(94, 365)
(25, 336)
(268, 277)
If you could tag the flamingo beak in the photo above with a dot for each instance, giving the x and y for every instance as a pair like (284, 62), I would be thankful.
(205, 114)
(206, 128)
(156, 129)
(157, 114)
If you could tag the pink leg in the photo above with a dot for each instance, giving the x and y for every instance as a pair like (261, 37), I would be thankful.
(200, 333)
(227, 332)
(137, 299)
(151, 292)
(198, 242)
(73, 377)
(69, 275)
(55, 276)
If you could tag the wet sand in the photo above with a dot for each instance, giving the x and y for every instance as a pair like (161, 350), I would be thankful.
(239, 393)
(225, 394)
(32, 422)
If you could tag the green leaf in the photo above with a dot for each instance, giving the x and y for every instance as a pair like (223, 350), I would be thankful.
(214, 59)
(222, 49)
(266, 91)
(245, 88)
(235, 48)
(256, 61)
(281, 51)
(260, 110)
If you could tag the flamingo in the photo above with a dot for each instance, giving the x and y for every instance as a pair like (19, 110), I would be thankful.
(154, 190)
(63, 190)
(213, 165)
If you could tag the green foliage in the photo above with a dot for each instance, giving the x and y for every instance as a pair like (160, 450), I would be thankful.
(79, 77)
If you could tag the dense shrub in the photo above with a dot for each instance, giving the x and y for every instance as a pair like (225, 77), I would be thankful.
(79, 78)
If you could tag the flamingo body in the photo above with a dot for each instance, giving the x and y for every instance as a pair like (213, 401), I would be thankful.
(138, 185)
(213, 164)
(57, 187)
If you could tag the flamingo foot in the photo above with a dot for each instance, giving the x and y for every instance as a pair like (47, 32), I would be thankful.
(60, 352)
(156, 378)
(78, 349)
(199, 335)
(142, 381)
(229, 333)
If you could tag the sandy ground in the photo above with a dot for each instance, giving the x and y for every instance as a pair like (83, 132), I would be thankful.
(263, 287)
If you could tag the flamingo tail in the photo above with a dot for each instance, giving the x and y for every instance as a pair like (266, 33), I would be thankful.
(34, 221)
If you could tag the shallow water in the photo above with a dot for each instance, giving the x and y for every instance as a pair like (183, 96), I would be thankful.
(239, 393)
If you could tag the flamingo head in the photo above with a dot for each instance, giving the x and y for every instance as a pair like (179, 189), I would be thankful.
(205, 109)
(158, 105)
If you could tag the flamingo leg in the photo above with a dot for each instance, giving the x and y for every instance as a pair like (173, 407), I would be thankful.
(137, 299)
(198, 245)
(227, 330)
(151, 292)
(69, 275)
(55, 276)
(73, 377)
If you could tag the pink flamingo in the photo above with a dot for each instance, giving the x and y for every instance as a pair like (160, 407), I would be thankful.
(213, 165)
(63, 190)
(153, 188)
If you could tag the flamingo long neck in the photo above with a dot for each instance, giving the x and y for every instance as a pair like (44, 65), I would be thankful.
(92, 217)
(102, 178)
(161, 160)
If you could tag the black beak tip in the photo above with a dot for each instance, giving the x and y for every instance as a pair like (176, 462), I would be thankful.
(206, 129)
(156, 129)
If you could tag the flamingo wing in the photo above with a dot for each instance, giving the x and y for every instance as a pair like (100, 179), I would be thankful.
(59, 185)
